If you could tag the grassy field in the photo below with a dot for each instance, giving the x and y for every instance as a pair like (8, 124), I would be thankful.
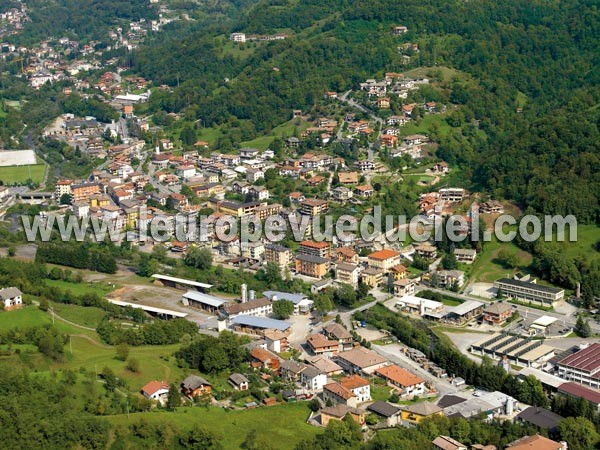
(426, 124)
(285, 129)
(81, 288)
(86, 316)
(20, 174)
(487, 268)
(587, 236)
(285, 425)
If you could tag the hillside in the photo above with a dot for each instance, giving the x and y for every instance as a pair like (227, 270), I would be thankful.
(537, 54)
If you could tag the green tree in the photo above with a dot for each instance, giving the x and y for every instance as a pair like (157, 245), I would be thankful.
(133, 365)
(122, 351)
(582, 327)
(579, 432)
(283, 309)
(173, 397)
(200, 258)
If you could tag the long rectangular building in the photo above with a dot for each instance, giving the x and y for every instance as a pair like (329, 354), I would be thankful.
(529, 291)
(582, 367)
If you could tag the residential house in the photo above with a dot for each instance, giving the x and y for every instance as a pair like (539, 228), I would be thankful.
(346, 255)
(339, 395)
(157, 391)
(347, 273)
(321, 345)
(453, 195)
(371, 276)
(324, 365)
(265, 359)
(313, 207)
(338, 412)
(536, 442)
(413, 414)
(337, 332)
(408, 383)
(465, 255)
(311, 266)
(238, 381)
(342, 193)
(491, 207)
(441, 167)
(278, 254)
(449, 278)
(404, 286)
(290, 370)
(277, 340)
(313, 379)
(389, 414)
(253, 175)
(497, 313)
(194, 386)
(540, 417)
(296, 197)
(364, 191)
(11, 297)
(258, 307)
(359, 386)
(426, 250)
(348, 177)
(361, 361)
(447, 443)
(384, 259)
(312, 248)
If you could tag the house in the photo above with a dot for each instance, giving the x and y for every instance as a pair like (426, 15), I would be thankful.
(290, 370)
(265, 359)
(311, 266)
(449, 278)
(321, 345)
(338, 412)
(413, 414)
(237, 37)
(324, 365)
(253, 175)
(383, 103)
(313, 379)
(399, 30)
(491, 207)
(278, 254)
(238, 381)
(371, 276)
(397, 377)
(536, 442)
(296, 197)
(388, 413)
(441, 167)
(540, 417)
(465, 255)
(11, 297)
(313, 207)
(258, 307)
(342, 193)
(453, 195)
(404, 287)
(426, 250)
(156, 390)
(361, 360)
(194, 386)
(364, 191)
(277, 340)
(339, 395)
(497, 313)
(346, 255)
(384, 259)
(337, 332)
(447, 443)
(348, 177)
(389, 140)
(312, 248)
(359, 386)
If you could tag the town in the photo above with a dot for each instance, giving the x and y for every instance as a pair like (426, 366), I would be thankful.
(298, 335)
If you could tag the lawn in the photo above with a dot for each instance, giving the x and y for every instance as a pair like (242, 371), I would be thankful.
(81, 288)
(20, 174)
(487, 268)
(426, 124)
(284, 425)
(285, 129)
(32, 316)
(87, 316)
(587, 236)
(446, 72)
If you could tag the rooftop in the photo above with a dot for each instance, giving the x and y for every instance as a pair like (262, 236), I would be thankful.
(384, 254)
(362, 357)
(587, 360)
(261, 322)
(204, 298)
(577, 390)
(540, 417)
(530, 285)
(384, 409)
(399, 375)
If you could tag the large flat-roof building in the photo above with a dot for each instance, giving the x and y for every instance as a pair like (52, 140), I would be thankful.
(582, 366)
(529, 291)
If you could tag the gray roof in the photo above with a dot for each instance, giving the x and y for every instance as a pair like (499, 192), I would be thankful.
(384, 409)
(312, 259)
(540, 417)
(530, 285)
(294, 298)
(450, 400)
(203, 298)
(9, 292)
(465, 307)
(261, 322)
(194, 382)
(238, 378)
(311, 372)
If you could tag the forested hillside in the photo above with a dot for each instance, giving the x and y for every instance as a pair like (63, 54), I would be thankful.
(546, 53)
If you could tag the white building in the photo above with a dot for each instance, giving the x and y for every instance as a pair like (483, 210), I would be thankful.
(11, 298)
(237, 37)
